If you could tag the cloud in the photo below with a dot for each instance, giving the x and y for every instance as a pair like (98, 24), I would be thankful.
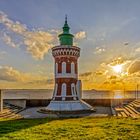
(99, 50)
(13, 78)
(112, 77)
(11, 74)
(42, 81)
(135, 50)
(138, 50)
(8, 40)
(2, 54)
(37, 42)
(93, 76)
(85, 74)
(80, 35)
(11, 25)
(117, 61)
(108, 66)
(134, 67)
(101, 72)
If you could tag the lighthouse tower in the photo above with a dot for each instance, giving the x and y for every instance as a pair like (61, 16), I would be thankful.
(67, 91)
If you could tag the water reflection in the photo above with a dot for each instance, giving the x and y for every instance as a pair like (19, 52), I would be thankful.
(86, 94)
(118, 94)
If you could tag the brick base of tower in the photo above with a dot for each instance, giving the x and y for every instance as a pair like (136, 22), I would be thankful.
(78, 105)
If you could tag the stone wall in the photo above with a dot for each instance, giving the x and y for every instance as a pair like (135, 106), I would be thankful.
(34, 103)
(44, 102)
(16, 102)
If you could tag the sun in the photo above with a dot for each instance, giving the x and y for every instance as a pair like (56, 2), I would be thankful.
(117, 68)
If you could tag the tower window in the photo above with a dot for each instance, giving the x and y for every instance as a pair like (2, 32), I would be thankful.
(72, 68)
(63, 67)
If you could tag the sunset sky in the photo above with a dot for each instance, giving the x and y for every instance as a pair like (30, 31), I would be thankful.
(107, 31)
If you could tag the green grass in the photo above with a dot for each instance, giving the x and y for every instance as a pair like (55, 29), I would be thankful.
(109, 128)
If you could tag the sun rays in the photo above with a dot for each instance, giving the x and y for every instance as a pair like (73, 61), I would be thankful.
(117, 68)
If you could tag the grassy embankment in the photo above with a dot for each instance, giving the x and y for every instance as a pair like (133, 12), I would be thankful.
(75, 128)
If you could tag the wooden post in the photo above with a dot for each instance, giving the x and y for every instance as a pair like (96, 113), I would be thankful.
(1, 101)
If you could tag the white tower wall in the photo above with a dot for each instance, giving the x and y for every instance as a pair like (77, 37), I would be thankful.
(79, 88)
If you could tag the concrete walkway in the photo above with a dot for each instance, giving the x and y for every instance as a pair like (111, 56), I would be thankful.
(33, 113)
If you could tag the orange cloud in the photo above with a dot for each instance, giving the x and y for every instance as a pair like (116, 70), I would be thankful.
(10, 74)
(85, 74)
(134, 67)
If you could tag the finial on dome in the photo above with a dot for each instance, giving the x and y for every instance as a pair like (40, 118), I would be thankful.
(66, 19)
(66, 38)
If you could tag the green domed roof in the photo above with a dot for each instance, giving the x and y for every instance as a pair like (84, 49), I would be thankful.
(66, 38)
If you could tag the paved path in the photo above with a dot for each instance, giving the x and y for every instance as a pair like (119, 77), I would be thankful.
(33, 113)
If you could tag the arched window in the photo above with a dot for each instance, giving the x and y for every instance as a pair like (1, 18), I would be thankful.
(72, 68)
(63, 91)
(63, 67)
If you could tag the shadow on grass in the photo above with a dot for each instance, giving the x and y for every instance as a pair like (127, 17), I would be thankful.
(8, 126)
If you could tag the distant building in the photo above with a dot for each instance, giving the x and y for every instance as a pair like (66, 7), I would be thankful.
(67, 91)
